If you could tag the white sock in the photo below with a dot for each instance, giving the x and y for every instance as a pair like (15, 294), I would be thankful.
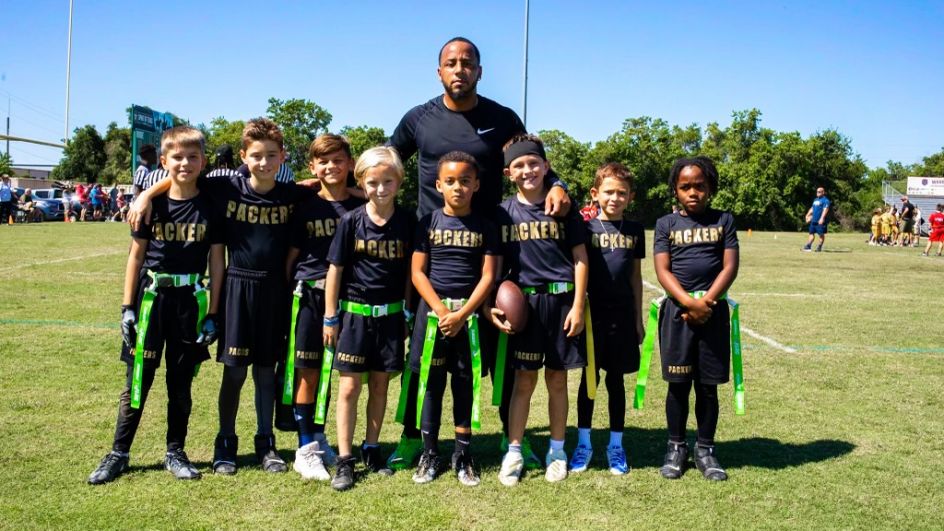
(557, 445)
(514, 449)
(616, 439)
(583, 437)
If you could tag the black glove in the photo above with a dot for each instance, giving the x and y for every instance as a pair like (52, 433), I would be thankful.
(128, 321)
(208, 333)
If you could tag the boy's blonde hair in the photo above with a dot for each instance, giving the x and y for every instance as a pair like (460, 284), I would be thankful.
(378, 156)
(182, 136)
(260, 129)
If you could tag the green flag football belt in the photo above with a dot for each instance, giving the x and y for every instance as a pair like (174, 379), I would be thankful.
(429, 345)
(162, 280)
(288, 386)
(372, 310)
(553, 288)
(648, 346)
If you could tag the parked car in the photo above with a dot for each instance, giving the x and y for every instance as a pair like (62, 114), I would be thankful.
(47, 203)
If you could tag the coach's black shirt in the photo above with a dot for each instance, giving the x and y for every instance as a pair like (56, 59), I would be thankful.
(376, 260)
(612, 247)
(455, 247)
(695, 245)
(313, 226)
(179, 234)
(256, 226)
(538, 248)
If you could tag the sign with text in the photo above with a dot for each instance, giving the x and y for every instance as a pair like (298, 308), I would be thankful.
(926, 186)
(147, 125)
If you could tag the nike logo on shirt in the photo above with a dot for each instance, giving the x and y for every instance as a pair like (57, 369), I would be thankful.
(483, 131)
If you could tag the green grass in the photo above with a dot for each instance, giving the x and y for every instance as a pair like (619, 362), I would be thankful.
(844, 433)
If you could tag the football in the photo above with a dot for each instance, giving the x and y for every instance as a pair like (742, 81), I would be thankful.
(513, 303)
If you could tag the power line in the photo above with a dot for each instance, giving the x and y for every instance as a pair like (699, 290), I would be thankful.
(36, 108)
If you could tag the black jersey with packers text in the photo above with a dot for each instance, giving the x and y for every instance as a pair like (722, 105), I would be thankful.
(256, 226)
(376, 259)
(179, 234)
(314, 223)
(695, 245)
(538, 248)
(455, 247)
(612, 248)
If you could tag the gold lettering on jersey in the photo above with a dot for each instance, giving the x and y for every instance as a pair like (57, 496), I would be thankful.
(150, 354)
(437, 362)
(238, 352)
(680, 369)
(533, 230)
(258, 215)
(350, 358)
(180, 232)
(696, 235)
(613, 241)
(312, 355)
(529, 356)
(455, 238)
(385, 249)
(321, 228)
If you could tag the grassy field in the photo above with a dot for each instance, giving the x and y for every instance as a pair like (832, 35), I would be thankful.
(845, 432)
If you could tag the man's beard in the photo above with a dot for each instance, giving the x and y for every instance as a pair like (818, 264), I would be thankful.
(463, 93)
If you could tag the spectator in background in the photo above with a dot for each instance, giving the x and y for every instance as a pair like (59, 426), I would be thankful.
(147, 158)
(28, 206)
(907, 222)
(816, 217)
(223, 166)
(6, 198)
(918, 221)
(113, 200)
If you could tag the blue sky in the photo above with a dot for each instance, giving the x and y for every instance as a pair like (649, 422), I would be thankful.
(872, 70)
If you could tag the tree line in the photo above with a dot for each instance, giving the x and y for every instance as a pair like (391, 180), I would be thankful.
(767, 177)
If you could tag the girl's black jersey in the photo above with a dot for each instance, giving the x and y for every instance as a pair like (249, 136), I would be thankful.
(695, 245)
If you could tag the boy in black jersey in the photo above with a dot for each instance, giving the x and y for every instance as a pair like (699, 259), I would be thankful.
(615, 249)
(547, 258)
(256, 214)
(313, 226)
(163, 279)
(696, 261)
(454, 266)
(368, 281)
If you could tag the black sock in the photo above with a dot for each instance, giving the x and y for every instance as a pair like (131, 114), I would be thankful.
(676, 410)
(431, 441)
(463, 440)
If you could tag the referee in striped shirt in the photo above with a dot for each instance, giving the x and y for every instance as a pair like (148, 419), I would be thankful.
(224, 165)
(148, 158)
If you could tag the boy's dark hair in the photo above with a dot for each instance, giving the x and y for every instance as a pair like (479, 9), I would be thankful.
(478, 56)
(458, 156)
(706, 165)
(328, 143)
(259, 129)
(147, 149)
(940, 207)
(613, 170)
(224, 156)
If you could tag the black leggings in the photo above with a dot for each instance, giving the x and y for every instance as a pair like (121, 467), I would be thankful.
(706, 411)
(432, 401)
(616, 392)
(233, 380)
(179, 404)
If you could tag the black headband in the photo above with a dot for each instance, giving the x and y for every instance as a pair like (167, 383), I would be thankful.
(520, 149)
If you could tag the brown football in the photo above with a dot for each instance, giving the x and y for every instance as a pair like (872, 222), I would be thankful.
(510, 300)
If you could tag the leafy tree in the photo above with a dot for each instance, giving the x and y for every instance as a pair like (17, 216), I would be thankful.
(301, 121)
(83, 157)
(6, 164)
(222, 131)
(363, 137)
(932, 166)
(117, 155)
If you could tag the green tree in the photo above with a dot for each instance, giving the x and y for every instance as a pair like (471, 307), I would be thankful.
(932, 166)
(568, 159)
(363, 137)
(117, 155)
(6, 164)
(222, 131)
(301, 121)
(83, 157)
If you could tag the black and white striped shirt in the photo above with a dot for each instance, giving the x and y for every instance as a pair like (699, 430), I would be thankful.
(151, 178)
(284, 175)
(140, 174)
(223, 172)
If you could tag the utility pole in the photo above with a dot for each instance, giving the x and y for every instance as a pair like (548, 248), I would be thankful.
(524, 95)
(8, 125)
(65, 139)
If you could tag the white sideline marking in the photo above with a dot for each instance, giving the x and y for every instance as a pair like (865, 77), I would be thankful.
(772, 342)
(60, 260)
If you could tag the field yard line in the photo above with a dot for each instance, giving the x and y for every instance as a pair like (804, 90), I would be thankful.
(772, 342)
(60, 260)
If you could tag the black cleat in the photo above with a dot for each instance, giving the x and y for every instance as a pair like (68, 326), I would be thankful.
(465, 469)
(675, 459)
(224, 454)
(374, 461)
(270, 459)
(113, 465)
(177, 463)
(344, 473)
(708, 464)
(429, 468)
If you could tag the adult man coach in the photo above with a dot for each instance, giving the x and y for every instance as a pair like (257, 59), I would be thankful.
(461, 120)
(816, 217)
(907, 222)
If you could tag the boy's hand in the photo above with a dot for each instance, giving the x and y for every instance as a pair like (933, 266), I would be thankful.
(128, 320)
(498, 319)
(329, 335)
(208, 332)
(698, 311)
(451, 324)
(574, 324)
(139, 211)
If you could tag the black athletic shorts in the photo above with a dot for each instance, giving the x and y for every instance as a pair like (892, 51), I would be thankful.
(543, 342)
(615, 342)
(370, 343)
(173, 326)
(255, 307)
(694, 351)
(309, 344)
(452, 352)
